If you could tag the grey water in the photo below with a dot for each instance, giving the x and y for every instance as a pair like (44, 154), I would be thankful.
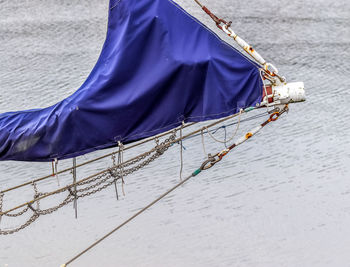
(281, 199)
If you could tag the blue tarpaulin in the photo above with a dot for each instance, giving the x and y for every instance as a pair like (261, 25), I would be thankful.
(158, 67)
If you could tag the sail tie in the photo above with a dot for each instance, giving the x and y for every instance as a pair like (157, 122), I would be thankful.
(1, 201)
(181, 150)
(120, 163)
(115, 177)
(55, 171)
(203, 143)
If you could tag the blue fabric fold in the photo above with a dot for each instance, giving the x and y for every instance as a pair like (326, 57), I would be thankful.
(158, 67)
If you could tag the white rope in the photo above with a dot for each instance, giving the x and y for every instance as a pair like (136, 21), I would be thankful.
(120, 163)
(56, 172)
(234, 134)
(203, 144)
(74, 173)
(115, 179)
(181, 151)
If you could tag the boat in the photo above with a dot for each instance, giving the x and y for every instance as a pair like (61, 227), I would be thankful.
(160, 71)
(157, 69)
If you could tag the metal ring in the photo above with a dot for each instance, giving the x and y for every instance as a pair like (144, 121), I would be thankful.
(210, 162)
(274, 116)
(228, 30)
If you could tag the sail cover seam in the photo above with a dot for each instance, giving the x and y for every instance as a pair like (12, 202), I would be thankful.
(116, 4)
(213, 33)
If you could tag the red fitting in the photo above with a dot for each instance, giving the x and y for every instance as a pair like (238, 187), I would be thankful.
(213, 17)
(269, 92)
(274, 116)
(206, 10)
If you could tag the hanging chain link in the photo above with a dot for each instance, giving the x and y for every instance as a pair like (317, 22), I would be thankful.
(26, 224)
(92, 186)
(17, 214)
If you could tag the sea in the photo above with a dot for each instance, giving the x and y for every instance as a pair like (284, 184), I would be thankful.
(282, 199)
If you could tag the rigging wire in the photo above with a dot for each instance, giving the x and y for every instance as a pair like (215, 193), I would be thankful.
(93, 160)
(147, 140)
(106, 178)
(205, 166)
(49, 176)
(181, 151)
(120, 165)
(129, 220)
(203, 144)
(228, 125)
(199, 3)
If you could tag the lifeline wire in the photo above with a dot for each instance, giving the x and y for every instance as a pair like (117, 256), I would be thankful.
(127, 148)
(130, 219)
(84, 180)
(96, 159)
(102, 178)
(205, 166)
(181, 151)
(101, 182)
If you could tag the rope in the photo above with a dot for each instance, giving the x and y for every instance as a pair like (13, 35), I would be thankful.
(102, 182)
(205, 166)
(74, 173)
(203, 144)
(93, 160)
(125, 148)
(120, 163)
(56, 172)
(130, 219)
(103, 172)
(106, 178)
(115, 179)
(231, 124)
(234, 134)
(181, 151)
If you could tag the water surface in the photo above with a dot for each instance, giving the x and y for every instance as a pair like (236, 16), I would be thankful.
(281, 199)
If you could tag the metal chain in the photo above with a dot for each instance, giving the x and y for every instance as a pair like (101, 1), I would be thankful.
(70, 198)
(26, 224)
(18, 213)
(101, 182)
(106, 179)
(13, 215)
(113, 173)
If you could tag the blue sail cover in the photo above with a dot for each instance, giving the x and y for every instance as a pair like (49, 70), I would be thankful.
(159, 66)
